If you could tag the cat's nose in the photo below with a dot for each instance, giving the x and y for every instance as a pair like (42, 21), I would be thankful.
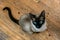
(37, 26)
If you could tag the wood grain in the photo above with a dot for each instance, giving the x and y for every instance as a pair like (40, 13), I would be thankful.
(11, 31)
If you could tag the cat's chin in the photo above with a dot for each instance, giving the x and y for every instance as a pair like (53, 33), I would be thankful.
(34, 29)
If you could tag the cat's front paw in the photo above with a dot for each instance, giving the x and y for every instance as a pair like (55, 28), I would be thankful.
(30, 32)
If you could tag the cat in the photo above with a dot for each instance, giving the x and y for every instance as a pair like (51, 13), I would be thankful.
(30, 23)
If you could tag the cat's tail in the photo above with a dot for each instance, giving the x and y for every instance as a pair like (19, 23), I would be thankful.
(10, 15)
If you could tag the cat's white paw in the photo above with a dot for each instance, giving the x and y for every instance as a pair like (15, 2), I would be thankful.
(30, 32)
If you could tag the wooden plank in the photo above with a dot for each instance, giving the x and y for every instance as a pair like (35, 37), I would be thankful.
(12, 31)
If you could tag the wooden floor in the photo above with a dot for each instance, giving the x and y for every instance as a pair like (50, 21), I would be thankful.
(11, 31)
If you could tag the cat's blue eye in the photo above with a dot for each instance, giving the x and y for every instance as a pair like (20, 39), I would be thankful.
(34, 22)
(40, 22)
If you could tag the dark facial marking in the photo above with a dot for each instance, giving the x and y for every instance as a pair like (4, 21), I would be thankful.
(32, 16)
(38, 21)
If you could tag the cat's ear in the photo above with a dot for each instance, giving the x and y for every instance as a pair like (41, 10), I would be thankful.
(42, 14)
(32, 16)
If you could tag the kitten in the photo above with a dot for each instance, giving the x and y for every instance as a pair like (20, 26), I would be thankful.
(29, 22)
(38, 24)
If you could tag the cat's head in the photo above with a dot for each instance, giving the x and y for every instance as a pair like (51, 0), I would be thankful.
(38, 21)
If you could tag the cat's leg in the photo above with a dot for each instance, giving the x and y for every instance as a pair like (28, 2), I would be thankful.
(30, 32)
(27, 28)
(27, 31)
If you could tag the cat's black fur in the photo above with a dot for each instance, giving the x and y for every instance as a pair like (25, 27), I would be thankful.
(10, 15)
